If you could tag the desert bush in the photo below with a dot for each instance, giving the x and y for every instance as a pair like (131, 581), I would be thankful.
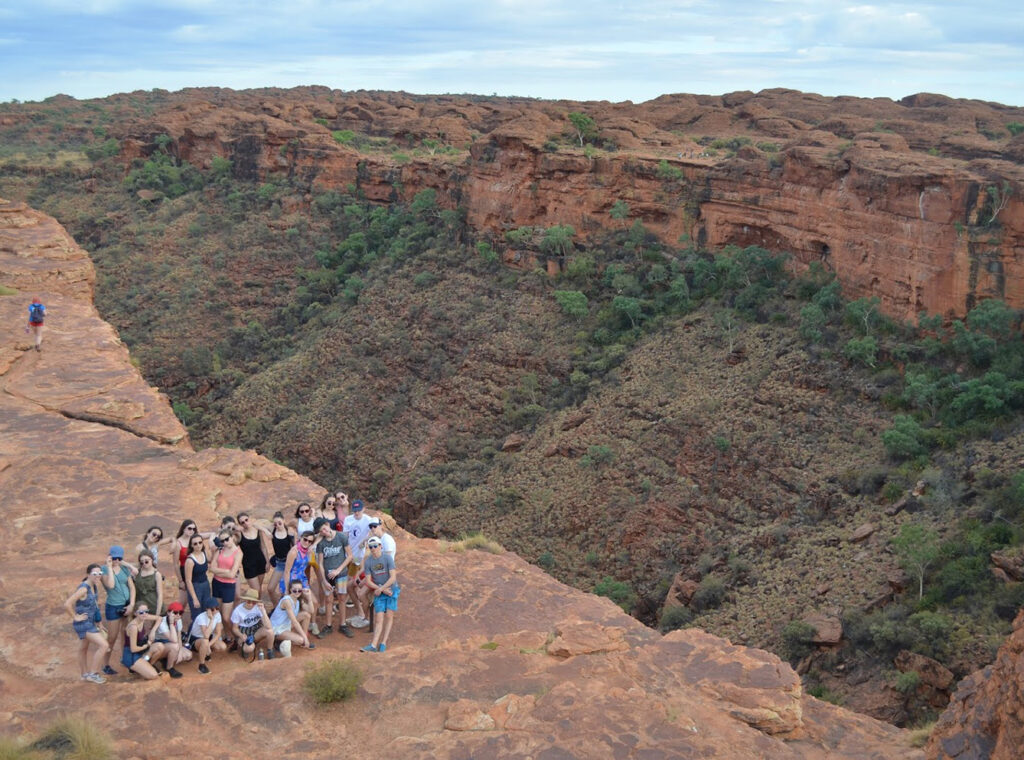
(618, 591)
(907, 683)
(12, 749)
(477, 541)
(74, 738)
(674, 617)
(905, 439)
(546, 560)
(709, 594)
(333, 680)
(798, 639)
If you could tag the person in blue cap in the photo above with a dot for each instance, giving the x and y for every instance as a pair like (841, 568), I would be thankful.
(117, 580)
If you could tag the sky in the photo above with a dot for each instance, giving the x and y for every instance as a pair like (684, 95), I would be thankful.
(595, 50)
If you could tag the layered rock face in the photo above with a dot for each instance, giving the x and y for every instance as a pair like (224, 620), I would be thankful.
(985, 718)
(489, 657)
(919, 202)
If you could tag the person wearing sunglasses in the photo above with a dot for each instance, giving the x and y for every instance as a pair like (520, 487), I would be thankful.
(382, 580)
(282, 539)
(250, 625)
(357, 529)
(225, 566)
(149, 583)
(296, 565)
(255, 544)
(117, 580)
(303, 518)
(186, 531)
(334, 509)
(151, 542)
(197, 582)
(140, 655)
(83, 606)
(333, 559)
(169, 633)
(290, 622)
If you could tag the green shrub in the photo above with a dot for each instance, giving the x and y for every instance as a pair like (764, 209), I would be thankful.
(907, 683)
(709, 594)
(798, 639)
(862, 350)
(546, 560)
(674, 617)
(905, 439)
(618, 591)
(572, 302)
(1015, 128)
(332, 680)
(343, 136)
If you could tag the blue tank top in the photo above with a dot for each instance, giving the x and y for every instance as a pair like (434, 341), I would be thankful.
(300, 564)
(87, 606)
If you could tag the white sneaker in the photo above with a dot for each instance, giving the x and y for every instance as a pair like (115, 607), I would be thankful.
(286, 648)
(358, 622)
(314, 628)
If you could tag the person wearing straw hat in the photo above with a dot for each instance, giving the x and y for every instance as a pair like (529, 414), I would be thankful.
(251, 626)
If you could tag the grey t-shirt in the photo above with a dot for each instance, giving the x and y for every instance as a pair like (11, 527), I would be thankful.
(379, 568)
(333, 551)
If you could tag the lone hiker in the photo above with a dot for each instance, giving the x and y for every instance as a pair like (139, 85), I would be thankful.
(36, 315)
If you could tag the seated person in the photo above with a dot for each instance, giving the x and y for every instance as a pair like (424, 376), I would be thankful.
(204, 637)
(290, 622)
(169, 633)
(251, 626)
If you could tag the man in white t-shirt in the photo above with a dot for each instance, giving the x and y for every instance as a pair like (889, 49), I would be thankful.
(357, 528)
(251, 626)
(386, 539)
(205, 635)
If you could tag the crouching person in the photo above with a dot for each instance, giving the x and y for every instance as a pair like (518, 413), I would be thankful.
(290, 622)
(382, 581)
(205, 636)
(141, 652)
(169, 633)
(251, 626)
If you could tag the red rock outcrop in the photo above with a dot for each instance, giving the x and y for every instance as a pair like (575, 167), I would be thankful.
(490, 657)
(919, 202)
(985, 717)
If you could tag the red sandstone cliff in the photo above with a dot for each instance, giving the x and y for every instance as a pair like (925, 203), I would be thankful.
(90, 456)
(896, 197)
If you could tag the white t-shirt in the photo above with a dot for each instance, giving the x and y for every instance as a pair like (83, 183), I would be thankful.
(163, 631)
(202, 621)
(244, 618)
(356, 528)
(387, 544)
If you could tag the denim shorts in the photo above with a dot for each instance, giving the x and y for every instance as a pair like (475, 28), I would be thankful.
(114, 612)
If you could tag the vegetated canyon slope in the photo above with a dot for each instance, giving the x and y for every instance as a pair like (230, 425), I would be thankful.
(503, 661)
(361, 286)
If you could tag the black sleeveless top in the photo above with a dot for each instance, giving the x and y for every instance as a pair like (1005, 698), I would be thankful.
(282, 546)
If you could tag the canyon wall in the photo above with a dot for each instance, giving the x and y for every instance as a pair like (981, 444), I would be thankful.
(920, 202)
(489, 656)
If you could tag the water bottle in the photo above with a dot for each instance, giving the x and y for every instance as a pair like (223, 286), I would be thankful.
(260, 656)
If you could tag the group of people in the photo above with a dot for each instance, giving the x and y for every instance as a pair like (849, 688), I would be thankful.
(321, 563)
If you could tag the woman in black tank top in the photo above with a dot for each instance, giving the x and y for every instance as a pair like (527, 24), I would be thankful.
(282, 540)
(255, 544)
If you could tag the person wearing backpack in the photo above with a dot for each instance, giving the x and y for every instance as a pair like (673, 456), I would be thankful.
(36, 315)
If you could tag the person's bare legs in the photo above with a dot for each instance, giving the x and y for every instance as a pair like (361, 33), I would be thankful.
(102, 650)
(304, 619)
(145, 669)
(256, 583)
(381, 627)
(115, 629)
(37, 333)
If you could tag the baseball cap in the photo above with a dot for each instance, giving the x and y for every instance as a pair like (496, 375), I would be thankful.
(357, 506)
(212, 603)
(320, 522)
(117, 552)
(374, 523)
(373, 542)
(175, 607)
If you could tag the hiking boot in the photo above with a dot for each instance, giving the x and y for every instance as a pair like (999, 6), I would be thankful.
(107, 671)
(346, 631)
(323, 631)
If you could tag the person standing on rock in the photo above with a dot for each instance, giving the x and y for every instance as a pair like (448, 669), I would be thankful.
(197, 581)
(84, 609)
(382, 580)
(36, 316)
(282, 540)
(117, 579)
(254, 542)
(357, 528)
(225, 566)
(334, 557)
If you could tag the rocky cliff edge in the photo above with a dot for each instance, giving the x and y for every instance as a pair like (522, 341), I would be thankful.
(490, 657)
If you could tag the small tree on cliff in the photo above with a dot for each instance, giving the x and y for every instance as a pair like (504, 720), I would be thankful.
(557, 240)
(917, 547)
(586, 129)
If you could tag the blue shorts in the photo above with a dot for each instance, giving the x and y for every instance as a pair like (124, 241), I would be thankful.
(114, 611)
(385, 603)
(224, 591)
(83, 627)
(129, 658)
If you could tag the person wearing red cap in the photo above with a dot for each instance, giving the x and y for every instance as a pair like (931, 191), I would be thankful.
(36, 315)
(168, 633)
